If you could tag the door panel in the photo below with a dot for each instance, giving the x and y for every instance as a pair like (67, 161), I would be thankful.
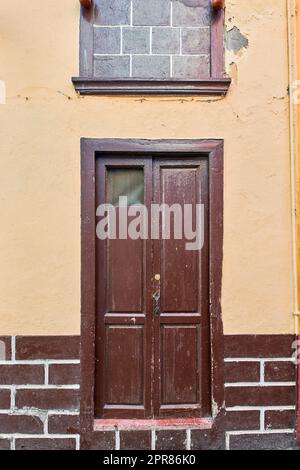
(125, 269)
(125, 365)
(125, 276)
(179, 364)
(180, 273)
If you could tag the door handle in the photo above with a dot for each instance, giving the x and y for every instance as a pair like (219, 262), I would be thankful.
(156, 303)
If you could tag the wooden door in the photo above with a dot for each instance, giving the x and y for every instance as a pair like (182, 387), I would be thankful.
(152, 312)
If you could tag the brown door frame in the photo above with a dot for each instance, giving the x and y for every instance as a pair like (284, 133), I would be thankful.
(214, 151)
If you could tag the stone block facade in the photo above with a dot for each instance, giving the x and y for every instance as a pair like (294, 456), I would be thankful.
(152, 39)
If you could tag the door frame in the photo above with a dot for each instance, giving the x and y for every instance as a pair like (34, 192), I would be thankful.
(212, 149)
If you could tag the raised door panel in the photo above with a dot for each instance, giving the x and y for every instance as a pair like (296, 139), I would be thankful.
(179, 267)
(124, 365)
(180, 347)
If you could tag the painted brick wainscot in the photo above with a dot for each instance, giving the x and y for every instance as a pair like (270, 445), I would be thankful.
(40, 394)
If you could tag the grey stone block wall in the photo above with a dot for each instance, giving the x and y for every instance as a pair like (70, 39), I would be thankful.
(152, 39)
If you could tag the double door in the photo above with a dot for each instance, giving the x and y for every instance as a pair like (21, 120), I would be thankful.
(152, 291)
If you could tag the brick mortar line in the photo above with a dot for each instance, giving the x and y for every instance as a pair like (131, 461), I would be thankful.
(38, 436)
(40, 387)
(262, 371)
(13, 348)
(37, 362)
(227, 441)
(36, 412)
(117, 440)
(46, 373)
(151, 40)
(12, 397)
(188, 439)
(112, 26)
(180, 41)
(262, 420)
(121, 41)
(261, 408)
(153, 439)
(265, 432)
(46, 422)
(259, 359)
(97, 55)
(259, 384)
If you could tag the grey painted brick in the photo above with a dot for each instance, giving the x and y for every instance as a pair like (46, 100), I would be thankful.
(136, 40)
(191, 67)
(195, 41)
(151, 12)
(192, 13)
(107, 40)
(112, 67)
(113, 12)
(151, 67)
(166, 40)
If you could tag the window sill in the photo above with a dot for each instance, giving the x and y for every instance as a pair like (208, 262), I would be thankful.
(208, 87)
(148, 424)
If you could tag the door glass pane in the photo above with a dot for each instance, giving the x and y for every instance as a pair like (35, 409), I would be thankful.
(127, 182)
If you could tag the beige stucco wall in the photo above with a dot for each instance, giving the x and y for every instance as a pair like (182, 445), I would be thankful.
(41, 125)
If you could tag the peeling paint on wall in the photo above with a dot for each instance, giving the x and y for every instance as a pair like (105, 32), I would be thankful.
(235, 40)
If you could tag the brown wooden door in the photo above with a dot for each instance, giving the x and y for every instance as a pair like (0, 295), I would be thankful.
(152, 321)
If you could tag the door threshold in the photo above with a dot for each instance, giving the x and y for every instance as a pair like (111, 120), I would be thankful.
(146, 424)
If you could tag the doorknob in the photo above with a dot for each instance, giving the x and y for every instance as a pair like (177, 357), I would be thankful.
(156, 302)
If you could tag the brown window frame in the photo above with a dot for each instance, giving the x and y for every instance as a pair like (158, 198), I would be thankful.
(95, 148)
(218, 84)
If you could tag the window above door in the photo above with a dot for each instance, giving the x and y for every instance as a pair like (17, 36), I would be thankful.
(152, 47)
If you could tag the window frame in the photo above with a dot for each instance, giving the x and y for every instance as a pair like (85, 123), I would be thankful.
(95, 148)
(218, 84)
